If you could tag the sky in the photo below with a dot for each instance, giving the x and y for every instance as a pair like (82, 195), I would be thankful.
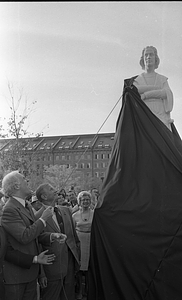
(72, 59)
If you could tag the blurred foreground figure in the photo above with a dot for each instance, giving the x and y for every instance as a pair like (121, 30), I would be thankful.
(136, 242)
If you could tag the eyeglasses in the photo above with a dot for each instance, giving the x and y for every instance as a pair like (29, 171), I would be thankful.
(85, 199)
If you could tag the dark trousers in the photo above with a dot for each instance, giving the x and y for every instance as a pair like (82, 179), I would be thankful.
(52, 291)
(68, 291)
(64, 288)
(2, 288)
(21, 291)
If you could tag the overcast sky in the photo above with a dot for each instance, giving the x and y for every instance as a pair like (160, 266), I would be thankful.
(73, 57)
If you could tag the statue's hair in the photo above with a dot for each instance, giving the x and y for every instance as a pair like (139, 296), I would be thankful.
(157, 60)
(9, 181)
(81, 194)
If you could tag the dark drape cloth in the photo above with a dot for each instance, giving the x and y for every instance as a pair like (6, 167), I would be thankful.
(136, 235)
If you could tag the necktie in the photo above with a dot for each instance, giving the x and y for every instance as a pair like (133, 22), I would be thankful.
(29, 209)
(27, 205)
(59, 219)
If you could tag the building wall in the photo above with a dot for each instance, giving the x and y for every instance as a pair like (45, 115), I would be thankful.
(87, 153)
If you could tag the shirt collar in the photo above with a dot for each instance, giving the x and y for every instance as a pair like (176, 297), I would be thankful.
(20, 200)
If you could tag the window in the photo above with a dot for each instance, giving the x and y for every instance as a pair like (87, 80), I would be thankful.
(102, 175)
(82, 165)
(96, 156)
(103, 165)
(96, 174)
(57, 157)
(88, 156)
(88, 165)
(96, 165)
(43, 146)
(103, 156)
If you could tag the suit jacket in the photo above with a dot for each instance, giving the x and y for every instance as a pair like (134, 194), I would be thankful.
(3, 247)
(59, 268)
(22, 232)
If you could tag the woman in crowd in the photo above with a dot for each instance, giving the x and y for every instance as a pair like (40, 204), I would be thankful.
(83, 221)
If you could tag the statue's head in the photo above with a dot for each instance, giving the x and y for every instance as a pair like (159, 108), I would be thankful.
(154, 50)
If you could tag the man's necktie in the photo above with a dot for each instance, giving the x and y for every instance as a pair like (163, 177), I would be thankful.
(59, 219)
(27, 205)
(29, 209)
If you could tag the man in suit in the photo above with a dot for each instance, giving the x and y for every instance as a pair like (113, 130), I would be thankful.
(61, 275)
(15, 256)
(22, 231)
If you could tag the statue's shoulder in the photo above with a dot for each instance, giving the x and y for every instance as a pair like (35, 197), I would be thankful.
(161, 78)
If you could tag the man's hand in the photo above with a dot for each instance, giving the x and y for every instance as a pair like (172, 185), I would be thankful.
(47, 213)
(43, 282)
(45, 259)
(59, 237)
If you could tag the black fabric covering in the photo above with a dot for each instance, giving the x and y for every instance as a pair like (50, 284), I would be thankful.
(136, 236)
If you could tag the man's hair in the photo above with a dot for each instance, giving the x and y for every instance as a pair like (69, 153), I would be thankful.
(9, 181)
(157, 60)
(40, 190)
(94, 188)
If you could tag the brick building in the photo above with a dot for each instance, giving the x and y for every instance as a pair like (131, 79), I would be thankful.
(87, 153)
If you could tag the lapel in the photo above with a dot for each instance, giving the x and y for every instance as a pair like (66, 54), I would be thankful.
(14, 203)
(50, 222)
(64, 216)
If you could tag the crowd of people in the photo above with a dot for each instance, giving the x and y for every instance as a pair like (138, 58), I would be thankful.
(45, 240)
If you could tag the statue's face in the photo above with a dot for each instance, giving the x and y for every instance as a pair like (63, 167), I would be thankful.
(149, 57)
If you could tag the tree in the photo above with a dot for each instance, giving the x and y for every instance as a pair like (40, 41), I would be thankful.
(60, 176)
(14, 157)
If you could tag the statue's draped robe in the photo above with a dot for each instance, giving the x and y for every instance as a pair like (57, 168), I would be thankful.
(136, 236)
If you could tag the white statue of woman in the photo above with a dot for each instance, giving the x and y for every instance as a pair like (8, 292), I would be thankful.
(153, 87)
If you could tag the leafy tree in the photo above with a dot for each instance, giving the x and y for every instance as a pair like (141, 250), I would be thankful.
(17, 132)
(60, 176)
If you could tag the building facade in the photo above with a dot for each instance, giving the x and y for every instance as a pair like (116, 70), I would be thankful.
(87, 153)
